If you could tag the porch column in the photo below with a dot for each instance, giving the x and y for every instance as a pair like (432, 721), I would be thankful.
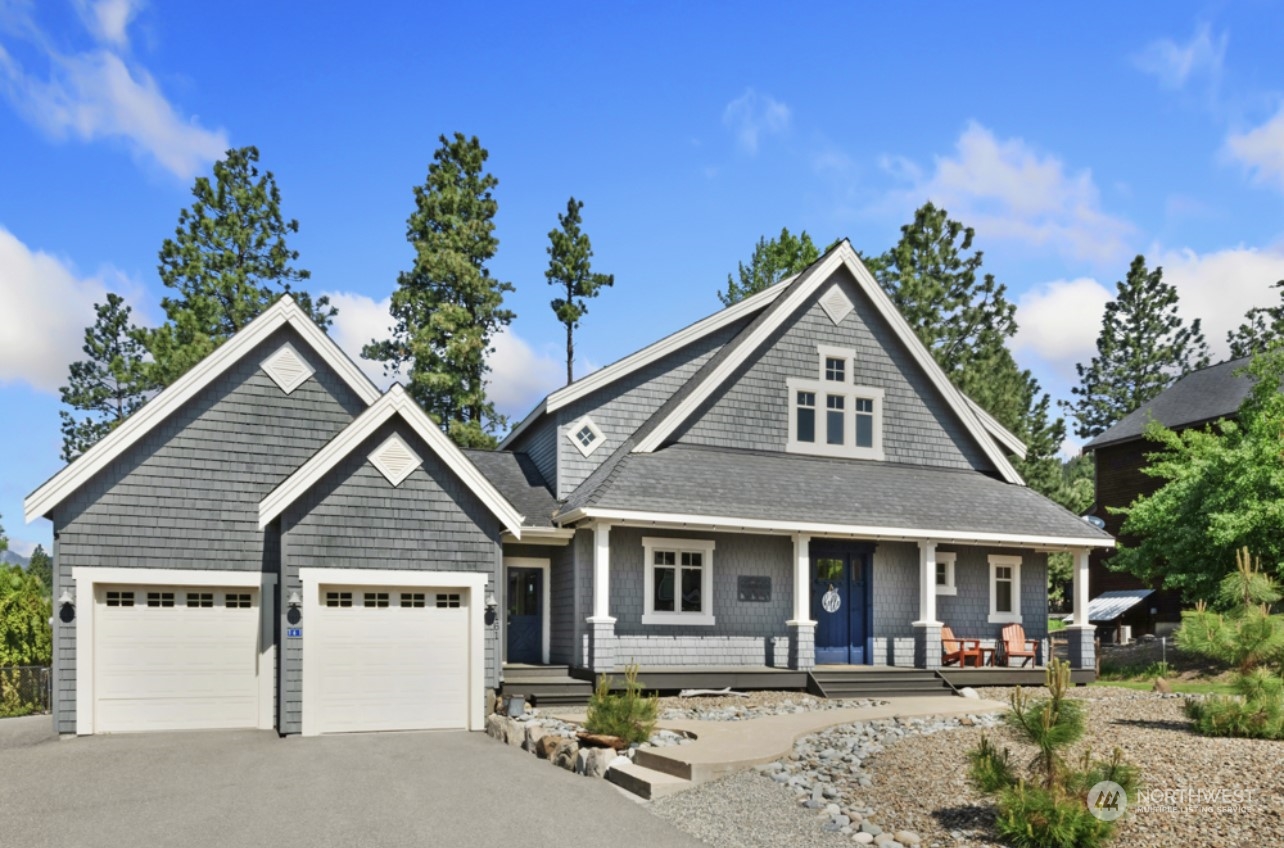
(1080, 634)
(802, 629)
(927, 630)
(601, 632)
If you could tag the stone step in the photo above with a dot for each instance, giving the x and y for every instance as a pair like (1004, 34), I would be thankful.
(656, 760)
(645, 782)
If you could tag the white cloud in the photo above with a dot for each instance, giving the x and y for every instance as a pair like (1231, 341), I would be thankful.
(1261, 150)
(519, 378)
(1006, 189)
(752, 115)
(95, 94)
(1059, 322)
(47, 307)
(109, 20)
(1176, 64)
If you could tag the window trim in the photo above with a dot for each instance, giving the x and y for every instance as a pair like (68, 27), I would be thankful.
(852, 392)
(580, 424)
(705, 547)
(948, 559)
(847, 354)
(1013, 562)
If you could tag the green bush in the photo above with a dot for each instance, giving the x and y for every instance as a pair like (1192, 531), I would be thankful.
(1222, 715)
(990, 770)
(1035, 817)
(629, 715)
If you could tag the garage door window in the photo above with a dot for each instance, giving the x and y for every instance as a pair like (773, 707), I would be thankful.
(376, 599)
(447, 600)
(238, 600)
(120, 599)
(200, 599)
(338, 599)
(160, 599)
(412, 599)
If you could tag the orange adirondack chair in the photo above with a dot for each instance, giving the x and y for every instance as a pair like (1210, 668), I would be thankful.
(1016, 645)
(955, 650)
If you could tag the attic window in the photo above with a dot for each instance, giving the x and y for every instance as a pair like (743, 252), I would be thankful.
(836, 304)
(287, 369)
(852, 425)
(395, 460)
(585, 435)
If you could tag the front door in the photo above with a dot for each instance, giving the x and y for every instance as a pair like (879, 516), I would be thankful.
(525, 615)
(839, 593)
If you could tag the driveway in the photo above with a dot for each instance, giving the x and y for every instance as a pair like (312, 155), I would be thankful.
(248, 788)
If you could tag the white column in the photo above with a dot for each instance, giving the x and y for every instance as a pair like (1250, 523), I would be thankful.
(927, 583)
(602, 573)
(1081, 587)
(802, 580)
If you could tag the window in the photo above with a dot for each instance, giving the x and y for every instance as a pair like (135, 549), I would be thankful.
(160, 599)
(585, 435)
(375, 599)
(237, 600)
(1005, 589)
(120, 599)
(678, 581)
(945, 573)
(447, 600)
(412, 599)
(338, 599)
(200, 599)
(858, 435)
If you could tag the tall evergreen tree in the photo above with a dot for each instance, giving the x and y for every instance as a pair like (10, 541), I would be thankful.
(1263, 327)
(1143, 346)
(227, 263)
(570, 268)
(41, 567)
(110, 385)
(934, 276)
(772, 261)
(447, 308)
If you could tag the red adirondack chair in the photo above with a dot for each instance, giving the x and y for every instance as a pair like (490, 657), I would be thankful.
(1016, 645)
(955, 650)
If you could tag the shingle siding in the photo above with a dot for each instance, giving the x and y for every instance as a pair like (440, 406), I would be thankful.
(354, 518)
(752, 409)
(186, 495)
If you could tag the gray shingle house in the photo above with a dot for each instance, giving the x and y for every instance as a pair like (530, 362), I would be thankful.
(790, 482)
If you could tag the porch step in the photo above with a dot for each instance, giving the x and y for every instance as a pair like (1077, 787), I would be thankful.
(891, 683)
(645, 782)
(521, 671)
(546, 686)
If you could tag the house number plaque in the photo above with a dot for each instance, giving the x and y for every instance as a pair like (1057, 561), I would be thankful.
(753, 589)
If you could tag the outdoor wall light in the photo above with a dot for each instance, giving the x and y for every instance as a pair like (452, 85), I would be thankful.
(295, 601)
(294, 615)
(66, 607)
(65, 599)
(491, 617)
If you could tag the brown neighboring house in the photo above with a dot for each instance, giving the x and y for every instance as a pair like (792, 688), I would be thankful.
(1197, 399)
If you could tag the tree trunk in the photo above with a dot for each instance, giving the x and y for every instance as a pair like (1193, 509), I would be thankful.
(570, 353)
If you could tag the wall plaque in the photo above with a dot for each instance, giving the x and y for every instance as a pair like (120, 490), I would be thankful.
(753, 589)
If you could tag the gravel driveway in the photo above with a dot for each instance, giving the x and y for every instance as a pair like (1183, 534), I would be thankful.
(250, 788)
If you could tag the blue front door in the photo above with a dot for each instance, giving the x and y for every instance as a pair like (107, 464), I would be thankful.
(839, 595)
(525, 615)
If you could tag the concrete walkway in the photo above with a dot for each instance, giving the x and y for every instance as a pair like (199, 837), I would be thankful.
(725, 747)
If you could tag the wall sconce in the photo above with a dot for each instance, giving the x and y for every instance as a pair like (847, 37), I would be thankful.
(295, 601)
(294, 615)
(491, 617)
(66, 607)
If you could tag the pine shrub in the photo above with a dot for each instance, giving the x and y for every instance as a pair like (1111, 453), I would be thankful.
(629, 715)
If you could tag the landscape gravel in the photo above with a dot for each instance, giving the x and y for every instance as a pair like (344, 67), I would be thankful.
(752, 705)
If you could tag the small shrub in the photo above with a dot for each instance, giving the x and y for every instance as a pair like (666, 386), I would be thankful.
(1036, 817)
(990, 771)
(1230, 715)
(629, 715)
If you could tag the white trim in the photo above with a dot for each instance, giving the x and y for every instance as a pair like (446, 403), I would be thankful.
(802, 578)
(271, 367)
(947, 559)
(602, 572)
(847, 354)
(59, 487)
(88, 578)
(558, 536)
(545, 600)
(846, 531)
(1013, 562)
(572, 436)
(927, 586)
(1001, 434)
(473, 581)
(821, 389)
(1079, 588)
(705, 547)
(395, 402)
(647, 355)
(841, 256)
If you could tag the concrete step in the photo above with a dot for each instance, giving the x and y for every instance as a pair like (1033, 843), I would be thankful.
(656, 760)
(645, 782)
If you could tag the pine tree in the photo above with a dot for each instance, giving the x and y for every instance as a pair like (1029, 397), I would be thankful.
(1143, 347)
(570, 257)
(933, 276)
(227, 263)
(772, 261)
(110, 385)
(448, 308)
(1262, 328)
(41, 566)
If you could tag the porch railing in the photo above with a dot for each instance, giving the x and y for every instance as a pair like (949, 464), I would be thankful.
(25, 689)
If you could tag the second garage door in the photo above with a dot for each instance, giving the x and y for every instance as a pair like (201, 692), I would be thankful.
(391, 659)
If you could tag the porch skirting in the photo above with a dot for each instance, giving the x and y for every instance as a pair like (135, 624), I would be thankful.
(669, 651)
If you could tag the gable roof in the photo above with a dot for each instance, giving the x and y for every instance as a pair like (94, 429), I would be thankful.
(396, 401)
(285, 311)
(1199, 397)
(683, 404)
(515, 476)
(1001, 434)
(651, 353)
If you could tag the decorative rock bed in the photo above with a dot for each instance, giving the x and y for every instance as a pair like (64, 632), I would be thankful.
(732, 708)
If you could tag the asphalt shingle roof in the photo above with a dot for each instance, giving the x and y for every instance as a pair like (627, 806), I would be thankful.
(730, 483)
(1203, 395)
(518, 480)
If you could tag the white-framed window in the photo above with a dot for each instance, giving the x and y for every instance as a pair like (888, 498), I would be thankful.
(677, 581)
(585, 435)
(1005, 589)
(831, 415)
(945, 573)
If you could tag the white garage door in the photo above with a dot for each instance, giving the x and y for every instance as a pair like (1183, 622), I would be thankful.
(175, 658)
(391, 658)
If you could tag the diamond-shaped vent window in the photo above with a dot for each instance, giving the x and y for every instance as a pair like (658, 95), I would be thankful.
(287, 369)
(836, 304)
(395, 460)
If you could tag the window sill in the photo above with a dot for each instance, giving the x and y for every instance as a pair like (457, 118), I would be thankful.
(697, 619)
(947, 590)
(1005, 618)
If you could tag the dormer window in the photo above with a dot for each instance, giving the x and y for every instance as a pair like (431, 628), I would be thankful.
(853, 415)
(585, 435)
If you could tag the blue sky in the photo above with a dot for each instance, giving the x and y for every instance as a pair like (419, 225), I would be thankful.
(1070, 141)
